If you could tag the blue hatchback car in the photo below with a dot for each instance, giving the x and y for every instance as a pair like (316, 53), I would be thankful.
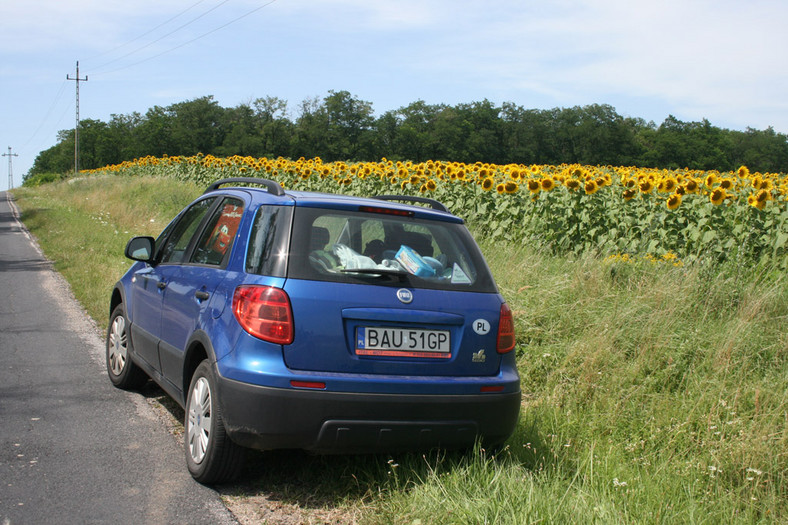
(328, 323)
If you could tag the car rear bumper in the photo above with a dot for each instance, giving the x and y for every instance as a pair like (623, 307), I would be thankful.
(338, 422)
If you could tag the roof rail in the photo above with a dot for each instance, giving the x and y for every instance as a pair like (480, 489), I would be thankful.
(272, 186)
(435, 205)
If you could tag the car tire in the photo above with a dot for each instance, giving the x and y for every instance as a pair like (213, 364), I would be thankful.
(121, 369)
(211, 456)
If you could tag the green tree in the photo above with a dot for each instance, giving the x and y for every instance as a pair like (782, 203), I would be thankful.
(310, 138)
(275, 129)
(196, 126)
(240, 130)
(349, 124)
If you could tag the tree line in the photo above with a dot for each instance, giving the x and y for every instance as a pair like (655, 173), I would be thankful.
(340, 126)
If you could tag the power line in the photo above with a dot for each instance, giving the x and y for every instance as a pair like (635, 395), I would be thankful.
(189, 41)
(146, 33)
(217, 6)
(60, 92)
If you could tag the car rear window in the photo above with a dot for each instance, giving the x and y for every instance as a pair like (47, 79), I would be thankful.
(378, 248)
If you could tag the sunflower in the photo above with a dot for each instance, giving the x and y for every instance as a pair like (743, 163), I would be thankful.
(668, 185)
(534, 186)
(487, 184)
(500, 188)
(674, 201)
(753, 201)
(717, 196)
(591, 187)
(710, 180)
(691, 186)
(763, 196)
(743, 172)
(646, 186)
(726, 184)
(511, 187)
(431, 185)
(572, 184)
(629, 194)
(547, 184)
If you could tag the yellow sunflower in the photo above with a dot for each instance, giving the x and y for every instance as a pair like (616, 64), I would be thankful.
(753, 201)
(591, 187)
(547, 184)
(763, 196)
(674, 201)
(717, 196)
(646, 186)
(668, 185)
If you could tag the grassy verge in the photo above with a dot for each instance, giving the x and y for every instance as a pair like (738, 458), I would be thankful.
(653, 393)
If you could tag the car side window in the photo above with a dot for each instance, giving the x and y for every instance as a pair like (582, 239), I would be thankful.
(267, 253)
(177, 242)
(217, 238)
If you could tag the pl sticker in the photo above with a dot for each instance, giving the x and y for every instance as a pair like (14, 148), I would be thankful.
(481, 327)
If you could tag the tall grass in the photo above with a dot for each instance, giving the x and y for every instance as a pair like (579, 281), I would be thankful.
(652, 392)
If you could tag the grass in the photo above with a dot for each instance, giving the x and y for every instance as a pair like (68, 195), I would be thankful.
(652, 393)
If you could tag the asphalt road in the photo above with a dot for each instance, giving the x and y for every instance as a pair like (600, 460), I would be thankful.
(73, 449)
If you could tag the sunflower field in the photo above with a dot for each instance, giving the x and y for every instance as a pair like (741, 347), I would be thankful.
(675, 215)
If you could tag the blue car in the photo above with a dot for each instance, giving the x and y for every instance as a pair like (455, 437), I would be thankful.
(328, 323)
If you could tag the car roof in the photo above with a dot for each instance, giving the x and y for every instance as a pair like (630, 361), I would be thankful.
(273, 193)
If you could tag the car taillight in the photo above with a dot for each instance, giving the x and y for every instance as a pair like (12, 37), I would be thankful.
(505, 330)
(264, 312)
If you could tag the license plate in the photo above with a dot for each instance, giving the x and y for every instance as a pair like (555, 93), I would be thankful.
(403, 342)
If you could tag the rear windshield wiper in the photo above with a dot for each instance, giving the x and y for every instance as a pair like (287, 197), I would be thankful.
(378, 272)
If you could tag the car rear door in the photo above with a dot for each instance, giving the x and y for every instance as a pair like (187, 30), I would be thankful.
(187, 304)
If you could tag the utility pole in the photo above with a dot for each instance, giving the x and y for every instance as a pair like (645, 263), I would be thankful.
(10, 168)
(76, 128)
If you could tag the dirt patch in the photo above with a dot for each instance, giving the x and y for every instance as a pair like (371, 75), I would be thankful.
(263, 508)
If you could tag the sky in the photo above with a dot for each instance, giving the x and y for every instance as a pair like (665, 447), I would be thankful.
(720, 60)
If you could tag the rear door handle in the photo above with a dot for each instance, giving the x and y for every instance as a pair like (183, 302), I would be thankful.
(202, 295)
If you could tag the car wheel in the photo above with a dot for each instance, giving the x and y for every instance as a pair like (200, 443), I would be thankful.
(121, 369)
(211, 455)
